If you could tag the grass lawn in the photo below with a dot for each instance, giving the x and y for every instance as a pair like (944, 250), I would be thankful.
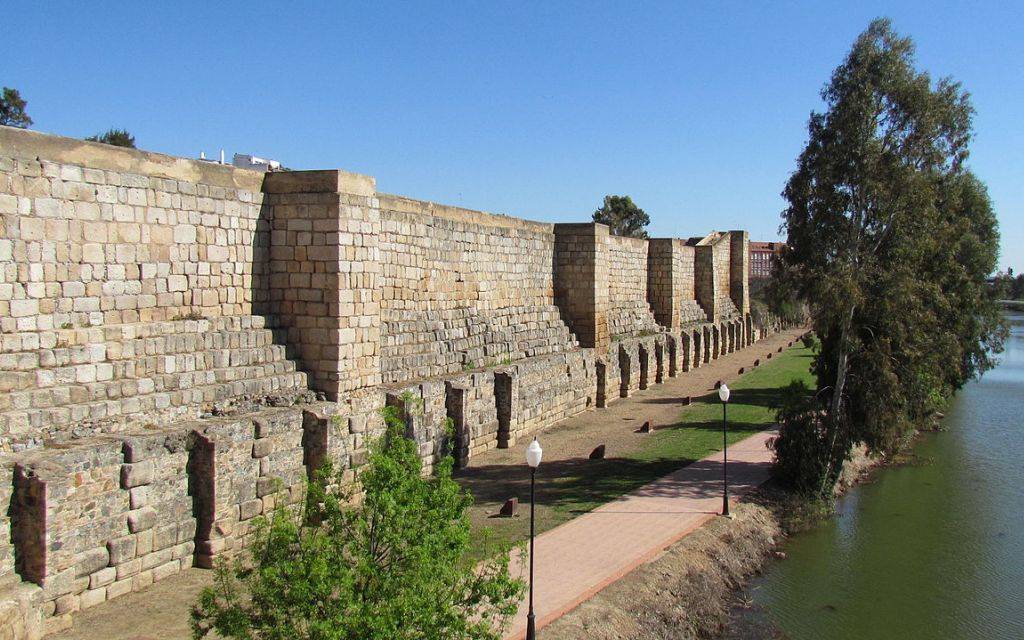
(568, 488)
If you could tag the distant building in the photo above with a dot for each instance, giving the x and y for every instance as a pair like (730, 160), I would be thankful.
(245, 161)
(761, 255)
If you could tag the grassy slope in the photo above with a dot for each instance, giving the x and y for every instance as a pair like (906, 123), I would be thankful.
(580, 488)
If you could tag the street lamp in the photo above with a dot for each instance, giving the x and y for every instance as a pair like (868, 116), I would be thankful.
(533, 456)
(723, 395)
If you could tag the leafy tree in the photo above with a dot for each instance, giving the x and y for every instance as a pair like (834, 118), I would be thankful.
(890, 241)
(623, 217)
(1006, 286)
(390, 567)
(115, 137)
(12, 109)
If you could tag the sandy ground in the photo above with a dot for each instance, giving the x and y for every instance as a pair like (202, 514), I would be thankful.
(162, 611)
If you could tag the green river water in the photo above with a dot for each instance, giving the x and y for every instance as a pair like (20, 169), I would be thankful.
(934, 549)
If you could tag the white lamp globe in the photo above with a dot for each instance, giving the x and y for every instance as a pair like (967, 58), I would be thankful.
(723, 392)
(534, 454)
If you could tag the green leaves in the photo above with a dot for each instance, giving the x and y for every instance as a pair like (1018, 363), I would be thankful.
(623, 217)
(384, 564)
(890, 242)
(115, 137)
(12, 109)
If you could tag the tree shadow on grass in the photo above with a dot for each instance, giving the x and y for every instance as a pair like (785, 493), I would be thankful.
(769, 397)
(579, 485)
(715, 424)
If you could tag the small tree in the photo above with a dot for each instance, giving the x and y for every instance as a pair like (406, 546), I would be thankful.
(800, 448)
(12, 109)
(392, 567)
(115, 137)
(623, 217)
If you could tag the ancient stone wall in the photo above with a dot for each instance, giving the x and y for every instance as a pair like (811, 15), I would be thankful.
(672, 285)
(628, 309)
(581, 281)
(166, 326)
(463, 289)
(325, 286)
(713, 273)
(94, 235)
(739, 270)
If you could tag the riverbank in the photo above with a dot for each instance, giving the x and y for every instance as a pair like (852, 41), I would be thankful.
(930, 546)
(695, 588)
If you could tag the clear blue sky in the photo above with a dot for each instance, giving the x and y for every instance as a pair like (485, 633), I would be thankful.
(697, 111)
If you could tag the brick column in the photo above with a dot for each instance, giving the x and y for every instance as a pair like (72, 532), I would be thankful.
(324, 273)
(581, 281)
(661, 285)
(739, 270)
(705, 280)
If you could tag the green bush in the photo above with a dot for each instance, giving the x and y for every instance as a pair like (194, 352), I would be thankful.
(392, 566)
(801, 448)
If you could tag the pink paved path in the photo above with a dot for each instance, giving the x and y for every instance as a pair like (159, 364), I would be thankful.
(584, 555)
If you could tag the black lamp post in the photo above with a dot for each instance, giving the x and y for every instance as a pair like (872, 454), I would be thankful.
(533, 456)
(723, 395)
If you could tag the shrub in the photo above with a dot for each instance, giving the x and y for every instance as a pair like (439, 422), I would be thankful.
(393, 566)
(801, 448)
(810, 341)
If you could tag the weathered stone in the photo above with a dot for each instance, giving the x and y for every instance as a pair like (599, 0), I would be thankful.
(91, 561)
(250, 509)
(66, 604)
(141, 519)
(92, 597)
(134, 335)
(102, 578)
(134, 475)
(122, 549)
(509, 509)
(119, 588)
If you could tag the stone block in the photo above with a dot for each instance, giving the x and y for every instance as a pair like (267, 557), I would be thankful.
(122, 549)
(141, 519)
(166, 570)
(102, 578)
(92, 597)
(91, 561)
(119, 588)
(136, 474)
(128, 569)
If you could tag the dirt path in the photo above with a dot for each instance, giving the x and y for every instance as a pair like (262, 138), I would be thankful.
(162, 611)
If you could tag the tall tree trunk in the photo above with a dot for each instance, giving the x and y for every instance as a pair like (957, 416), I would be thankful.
(835, 416)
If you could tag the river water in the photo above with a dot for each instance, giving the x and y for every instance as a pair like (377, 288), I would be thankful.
(932, 550)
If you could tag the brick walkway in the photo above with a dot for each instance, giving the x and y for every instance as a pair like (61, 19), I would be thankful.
(584, 555)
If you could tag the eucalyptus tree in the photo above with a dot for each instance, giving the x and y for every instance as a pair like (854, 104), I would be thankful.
(890, 240)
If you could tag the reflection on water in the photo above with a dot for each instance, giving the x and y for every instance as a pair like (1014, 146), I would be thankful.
(931, 550)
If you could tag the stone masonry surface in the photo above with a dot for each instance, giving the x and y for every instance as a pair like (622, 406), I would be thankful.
(182, 343)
